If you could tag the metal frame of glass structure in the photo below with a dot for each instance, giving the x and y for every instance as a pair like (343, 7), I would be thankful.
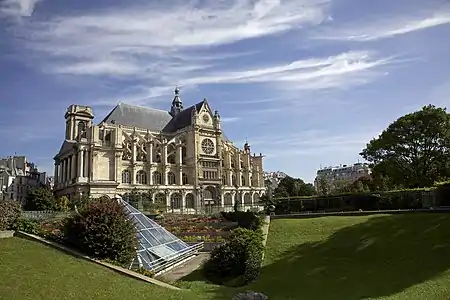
(158, 248)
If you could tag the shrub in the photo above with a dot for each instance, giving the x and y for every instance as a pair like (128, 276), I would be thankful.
(103, 231)
(26, 225)
(9, 213)
(40, 199)
(245, 219)
(238, 259)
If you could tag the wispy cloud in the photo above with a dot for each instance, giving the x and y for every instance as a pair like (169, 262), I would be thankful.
(387, 27)
(318, 142)
(229, 119)
(171, 44)
(18, 8)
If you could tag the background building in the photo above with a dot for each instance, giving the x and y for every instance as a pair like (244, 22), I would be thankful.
(182, 158)
(342, 173)
(274, 178)
(17, 176)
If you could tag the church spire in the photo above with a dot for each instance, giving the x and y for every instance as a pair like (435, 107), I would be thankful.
(177, 104)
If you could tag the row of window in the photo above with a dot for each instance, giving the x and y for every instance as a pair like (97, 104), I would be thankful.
(157, 177)
(209, 164)
(209, 175)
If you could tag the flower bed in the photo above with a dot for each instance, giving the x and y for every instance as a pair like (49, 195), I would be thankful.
(180, 225)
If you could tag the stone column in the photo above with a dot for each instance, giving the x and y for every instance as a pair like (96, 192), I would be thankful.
(74, 167)
(56, 173)
(179, 164)
(118, 167)
(183, 202)
(80, 163)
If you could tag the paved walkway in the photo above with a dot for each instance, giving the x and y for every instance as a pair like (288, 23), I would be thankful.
(186, 268)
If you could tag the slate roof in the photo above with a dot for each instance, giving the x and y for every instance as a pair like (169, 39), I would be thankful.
(182, 119)
(137, 116)
(152, 119)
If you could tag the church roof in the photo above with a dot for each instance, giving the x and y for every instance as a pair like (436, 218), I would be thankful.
(137, 116)
(182, 119)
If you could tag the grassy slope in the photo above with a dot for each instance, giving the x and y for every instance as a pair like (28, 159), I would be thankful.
(364, 257)
(377, 257)
(29, 270)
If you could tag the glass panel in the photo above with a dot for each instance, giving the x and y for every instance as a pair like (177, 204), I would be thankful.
(157, 246)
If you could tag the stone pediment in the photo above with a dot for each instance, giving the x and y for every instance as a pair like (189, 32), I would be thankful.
(66, 147)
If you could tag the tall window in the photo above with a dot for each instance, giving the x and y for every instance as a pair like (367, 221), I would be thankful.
(243, 181)
(190, 203)
(157, 178)
(126, 176)
(81, 129)
(171, 178)
(141, 177)
(185, 178)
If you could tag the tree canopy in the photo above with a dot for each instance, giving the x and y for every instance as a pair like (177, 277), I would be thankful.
(414, 150)
(40, 199)
(290, 186)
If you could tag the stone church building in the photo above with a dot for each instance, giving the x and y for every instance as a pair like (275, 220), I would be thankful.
(180, 158)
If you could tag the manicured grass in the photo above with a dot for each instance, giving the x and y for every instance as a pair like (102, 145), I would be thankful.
(361, 257)
(30, 270)
(342, 258)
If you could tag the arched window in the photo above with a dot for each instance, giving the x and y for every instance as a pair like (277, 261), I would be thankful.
(183, 154)
(243, 181)
(175, 200)
(171, 178)
(185, 178)
(141, 177)
(233, 180)
(81, 129)
(126, 176)
(224, 180)
(157, 178)
(190, 203)
(247, 199)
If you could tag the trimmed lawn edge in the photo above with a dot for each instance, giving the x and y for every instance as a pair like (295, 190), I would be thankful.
(75, 253)
(265, 230)
(4, 234)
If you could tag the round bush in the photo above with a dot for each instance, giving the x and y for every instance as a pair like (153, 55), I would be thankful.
(238, 259)
(10, 211)
(103, 231)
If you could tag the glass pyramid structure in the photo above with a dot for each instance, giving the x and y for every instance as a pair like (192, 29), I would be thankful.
(158, 248)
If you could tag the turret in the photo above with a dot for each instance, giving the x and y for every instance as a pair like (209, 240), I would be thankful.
(177, 104)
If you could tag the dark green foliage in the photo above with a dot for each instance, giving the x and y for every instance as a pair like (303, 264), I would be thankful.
(245, 219)
(103, 231)
(414, 151)
(238, 260)
(402, 199)
(40, 199)
(26, 225)
(9, 212)
(290, 186)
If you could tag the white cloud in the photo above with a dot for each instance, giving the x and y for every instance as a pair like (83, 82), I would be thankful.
(18, 8)
(229, 119)
(387, 27)
(174, 44)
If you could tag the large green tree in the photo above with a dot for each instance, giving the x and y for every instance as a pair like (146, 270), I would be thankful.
(289, 187)
(40, 199)
(414, 151)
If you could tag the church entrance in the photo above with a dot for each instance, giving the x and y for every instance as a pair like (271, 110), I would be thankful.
(211, 199)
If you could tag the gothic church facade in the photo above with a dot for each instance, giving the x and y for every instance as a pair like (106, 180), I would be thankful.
(181, 158)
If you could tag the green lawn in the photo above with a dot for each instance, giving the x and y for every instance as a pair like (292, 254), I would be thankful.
(349, 258)
(342, 258)
(30, 270)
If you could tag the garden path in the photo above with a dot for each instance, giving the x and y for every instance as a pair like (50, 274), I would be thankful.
(186, 268)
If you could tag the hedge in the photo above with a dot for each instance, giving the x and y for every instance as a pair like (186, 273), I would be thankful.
(245, 219)
(237, 261)
(401, 199)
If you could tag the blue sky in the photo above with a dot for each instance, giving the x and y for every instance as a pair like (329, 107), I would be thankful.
(309, 82)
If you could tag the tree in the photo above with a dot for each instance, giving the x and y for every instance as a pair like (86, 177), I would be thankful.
(40, 199)
(290, 187)
(323, 188)
(414, 150)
